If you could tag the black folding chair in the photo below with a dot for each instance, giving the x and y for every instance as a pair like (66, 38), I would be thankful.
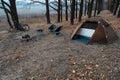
(58, 30)
(51, 28)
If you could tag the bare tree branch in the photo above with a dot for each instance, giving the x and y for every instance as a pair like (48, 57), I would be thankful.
(6, 4)
(45, 4)
(5, 9)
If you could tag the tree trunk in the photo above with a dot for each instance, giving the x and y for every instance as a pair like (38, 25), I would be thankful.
(100, 6)
(90, 8)
(76, 8)
(105, 4)
(66, 11)
(8, 18)
(80, 11)
(116, 6)
(12, 11)
(85, 11)
(61, 11)
(72, 11)
(111, 5)
(95, 11)
(47, 11)
(88, 11)
(14, 15)
(59, 3)
(118, 14)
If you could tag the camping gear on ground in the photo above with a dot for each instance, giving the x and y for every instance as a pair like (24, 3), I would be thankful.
(94, 30)
(39, 32)
(57, 31)
(26, 37)
(26, 27)
(33, 35)
(52, 28)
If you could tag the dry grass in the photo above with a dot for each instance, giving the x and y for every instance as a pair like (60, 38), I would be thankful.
(51, 57)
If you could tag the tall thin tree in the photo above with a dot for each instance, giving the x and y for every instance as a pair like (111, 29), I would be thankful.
(76, 8)
(80, 11)
(47, 11)
(61, 11)
(100, 6)
(11, 10)
(91, 3)
(59, 8)
(95, 11)
(116, 6)
(111, 5)
(14, 15)
(66, 10)
(118, 14)
(72, 11)
(7, 14)
(85, 10)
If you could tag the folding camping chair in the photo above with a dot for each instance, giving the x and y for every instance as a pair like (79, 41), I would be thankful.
(57, 31)
(51, 28)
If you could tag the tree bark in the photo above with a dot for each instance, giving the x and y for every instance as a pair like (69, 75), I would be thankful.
(118, 14)
(116, 6)
(111, 5)
(90, 8)
(85, 11)
(76, 7)
(13, 10)
(8, 18)
(66, 10)
(47, 12)
(88, 11)
(100, 6)
(14, 15)
(95, 11)
(80, 11)
(59, 3)
(118, 11)
(61, 12)
(72, 11)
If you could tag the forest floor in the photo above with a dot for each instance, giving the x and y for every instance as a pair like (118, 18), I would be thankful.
(51, 57)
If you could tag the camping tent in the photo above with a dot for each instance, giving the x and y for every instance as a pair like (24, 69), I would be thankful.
(94, 30)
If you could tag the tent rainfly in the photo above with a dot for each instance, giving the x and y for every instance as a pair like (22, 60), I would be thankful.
(94, 30)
